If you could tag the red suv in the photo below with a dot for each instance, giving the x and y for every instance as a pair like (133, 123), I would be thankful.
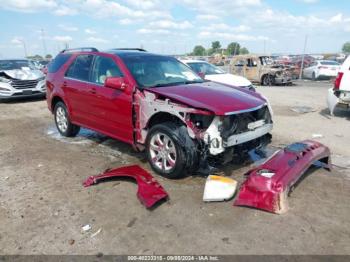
(158, 105)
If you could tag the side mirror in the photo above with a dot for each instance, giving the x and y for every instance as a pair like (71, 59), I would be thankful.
(201, 74)
(115, 83)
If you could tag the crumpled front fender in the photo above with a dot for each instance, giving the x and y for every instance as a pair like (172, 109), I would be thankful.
(268, 185)
(149, 190)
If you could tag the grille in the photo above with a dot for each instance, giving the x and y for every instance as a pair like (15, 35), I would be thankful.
(237, 124)
(24, 84)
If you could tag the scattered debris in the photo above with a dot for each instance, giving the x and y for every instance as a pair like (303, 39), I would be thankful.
(86, 228)
(317, 135)
(6, 177)
(268, 185)
(219, 188)
(40, 165)
(96, 233)
(302, 109)
(149, 190)
(71, 242)
(132, 222)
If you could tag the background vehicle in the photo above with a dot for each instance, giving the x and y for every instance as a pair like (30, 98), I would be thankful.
(214, 73)
(339, 95)
(321, 69)
(157, 104)
(20, 78)
(259, 69)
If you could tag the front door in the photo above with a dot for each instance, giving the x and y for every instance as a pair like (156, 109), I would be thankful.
(112, 108)
(251, 69)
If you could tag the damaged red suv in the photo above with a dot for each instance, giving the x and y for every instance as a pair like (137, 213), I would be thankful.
(157, 104)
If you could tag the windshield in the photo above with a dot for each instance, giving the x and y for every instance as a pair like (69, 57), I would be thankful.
(156, 71)
(329, 63)
(16, 64)
(265, 60)
(205, 68)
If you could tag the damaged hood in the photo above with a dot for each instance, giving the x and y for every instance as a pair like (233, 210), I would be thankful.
(24, 74)
(217, 98)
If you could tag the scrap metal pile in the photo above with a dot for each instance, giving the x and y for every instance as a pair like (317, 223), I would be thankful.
(266, 187)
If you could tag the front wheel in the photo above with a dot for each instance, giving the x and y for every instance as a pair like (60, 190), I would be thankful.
(268, 80)
(314, 76)
(62, 120)
(170, 151)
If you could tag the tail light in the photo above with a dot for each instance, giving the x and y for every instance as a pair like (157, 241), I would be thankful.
(338, 80)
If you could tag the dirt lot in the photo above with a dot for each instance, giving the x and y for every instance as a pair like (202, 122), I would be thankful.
(43, 204)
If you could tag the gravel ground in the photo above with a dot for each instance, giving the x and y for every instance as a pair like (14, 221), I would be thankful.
(43, 205)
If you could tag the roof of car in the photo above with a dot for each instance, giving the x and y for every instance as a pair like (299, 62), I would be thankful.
(192, 61)
(14, 59)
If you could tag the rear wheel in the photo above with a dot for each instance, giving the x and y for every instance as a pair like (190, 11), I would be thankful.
(62, 120)
(170, 151)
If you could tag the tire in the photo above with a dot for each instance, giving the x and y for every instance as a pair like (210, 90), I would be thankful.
(268, 80)
(314, 76)
(62, 120)
(170, 151)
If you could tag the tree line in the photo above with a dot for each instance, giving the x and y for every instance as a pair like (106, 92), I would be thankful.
(232, 48)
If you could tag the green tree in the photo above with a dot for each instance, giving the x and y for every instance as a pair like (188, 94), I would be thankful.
(233, 49)
(198, 50)
(346, 47)
(243, 51)
(48, 57)
(215, 46)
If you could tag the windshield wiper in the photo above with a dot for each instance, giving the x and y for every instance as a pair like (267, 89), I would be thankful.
(169, 84)
(193, 82)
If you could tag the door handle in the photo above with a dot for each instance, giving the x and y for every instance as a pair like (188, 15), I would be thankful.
(64, 84)
(92, 90)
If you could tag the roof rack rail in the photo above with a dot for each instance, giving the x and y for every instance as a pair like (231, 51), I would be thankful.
(135, 49)
(81, 49)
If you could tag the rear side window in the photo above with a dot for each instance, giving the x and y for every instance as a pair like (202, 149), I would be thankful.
(80, 67)
(59, 61)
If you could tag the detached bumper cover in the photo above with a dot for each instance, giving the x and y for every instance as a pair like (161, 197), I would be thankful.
(268, 185)
(149, 190)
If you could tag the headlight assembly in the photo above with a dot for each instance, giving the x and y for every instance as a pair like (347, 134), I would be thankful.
(4, 80)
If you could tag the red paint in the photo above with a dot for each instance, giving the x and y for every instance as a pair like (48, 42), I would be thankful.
(337, 81)
(149, 190)
(219, 99)
(288, 164)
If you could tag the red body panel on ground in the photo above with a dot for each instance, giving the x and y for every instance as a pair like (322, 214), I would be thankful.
(149, 190)
(268, 185)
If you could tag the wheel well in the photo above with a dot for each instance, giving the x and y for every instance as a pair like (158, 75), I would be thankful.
(162, 117)
(55, 100)
(266, 75)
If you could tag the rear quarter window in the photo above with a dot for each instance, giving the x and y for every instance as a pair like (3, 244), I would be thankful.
(58, 62)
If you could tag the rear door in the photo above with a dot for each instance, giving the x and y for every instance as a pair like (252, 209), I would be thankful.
(111, 108)
(76, 90)
(345, 82)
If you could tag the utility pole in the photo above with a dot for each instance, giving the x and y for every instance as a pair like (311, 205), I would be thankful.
(302, 58)
(44, 43)
(24, 48)
(264, 46)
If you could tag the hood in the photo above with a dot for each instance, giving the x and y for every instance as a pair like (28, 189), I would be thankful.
(229, 79)
(24, 74)
(217, 98)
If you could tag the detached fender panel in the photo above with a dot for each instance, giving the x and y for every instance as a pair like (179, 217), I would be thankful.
(268, 185)
(149, 190)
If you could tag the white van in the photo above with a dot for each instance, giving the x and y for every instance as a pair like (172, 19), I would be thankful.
(339, 95)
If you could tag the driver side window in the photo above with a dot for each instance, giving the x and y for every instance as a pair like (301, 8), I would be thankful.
(104, 67)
